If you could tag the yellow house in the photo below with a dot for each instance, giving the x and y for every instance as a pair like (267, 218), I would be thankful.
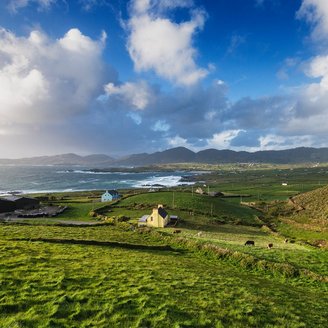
(158, 218)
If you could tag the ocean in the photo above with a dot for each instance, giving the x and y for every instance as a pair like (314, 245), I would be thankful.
(34, 179)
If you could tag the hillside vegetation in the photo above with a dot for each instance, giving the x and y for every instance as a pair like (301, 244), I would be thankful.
(304, 217)
(314, 206)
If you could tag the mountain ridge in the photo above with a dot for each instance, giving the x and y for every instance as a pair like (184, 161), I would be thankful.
(182, 155)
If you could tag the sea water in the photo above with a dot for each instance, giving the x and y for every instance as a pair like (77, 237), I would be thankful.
(33, 179)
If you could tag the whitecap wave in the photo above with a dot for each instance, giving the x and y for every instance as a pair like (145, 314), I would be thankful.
(166, 181)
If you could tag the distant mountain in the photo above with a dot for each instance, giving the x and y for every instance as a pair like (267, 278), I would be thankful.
(183, 155)
(214, 156)
(64, 159)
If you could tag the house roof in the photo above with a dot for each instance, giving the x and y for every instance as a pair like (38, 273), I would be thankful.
(162, 212)
(12, 198)
(5, 200)
(16, 198)
(112, 192)
(143, 218)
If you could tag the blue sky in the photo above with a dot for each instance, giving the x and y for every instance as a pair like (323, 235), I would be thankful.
(121, 77)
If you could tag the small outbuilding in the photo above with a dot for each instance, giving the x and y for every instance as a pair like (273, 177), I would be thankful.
(110, 195)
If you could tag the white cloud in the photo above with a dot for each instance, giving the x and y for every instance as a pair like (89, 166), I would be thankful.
(161, 126)
(135, 117)
(316, 13)
(159, 44)
(222, 139)
(43, 79)
(15, 5)
(177, 141)
(138, 95)
(278, 142)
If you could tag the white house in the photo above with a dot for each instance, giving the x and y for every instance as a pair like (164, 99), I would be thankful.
(109, 196)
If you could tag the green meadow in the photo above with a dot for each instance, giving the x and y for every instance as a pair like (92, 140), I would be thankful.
(57, 284)
(117, 275)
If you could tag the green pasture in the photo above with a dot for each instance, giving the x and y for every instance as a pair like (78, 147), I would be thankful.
(195, 210)
(70, 285)
(266, 185)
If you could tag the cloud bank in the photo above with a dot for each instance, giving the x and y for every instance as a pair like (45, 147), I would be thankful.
(59, 94)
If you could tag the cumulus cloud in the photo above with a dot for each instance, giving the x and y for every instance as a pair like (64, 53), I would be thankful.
(222, 140)
(138, 95)
(43, 79)
(156, 43)
(311, 106)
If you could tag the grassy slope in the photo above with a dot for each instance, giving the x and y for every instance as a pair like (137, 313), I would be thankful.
(227, 235)
(183, 204)
(307, 219)
(54, 285)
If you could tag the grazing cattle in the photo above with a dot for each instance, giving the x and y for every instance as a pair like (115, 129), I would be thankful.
(199, 234)
(286, 241)
(177, 231)
(250, 243)
(270, 246)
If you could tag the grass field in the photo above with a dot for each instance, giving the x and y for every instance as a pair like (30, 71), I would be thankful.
(196, 210)
(112, 276)
(62, 285)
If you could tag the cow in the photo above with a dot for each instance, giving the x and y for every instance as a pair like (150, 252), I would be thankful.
(270, 246)
(250, 243)
(199, 234)
(177, 231)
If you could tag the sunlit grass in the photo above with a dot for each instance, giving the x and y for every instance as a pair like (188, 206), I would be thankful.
(73, 285)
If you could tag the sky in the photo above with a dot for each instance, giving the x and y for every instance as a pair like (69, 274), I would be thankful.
(122, 77)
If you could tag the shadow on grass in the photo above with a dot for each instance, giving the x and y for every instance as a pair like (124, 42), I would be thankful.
(101, 243)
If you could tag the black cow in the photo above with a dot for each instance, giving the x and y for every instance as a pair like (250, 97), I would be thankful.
(250, 243)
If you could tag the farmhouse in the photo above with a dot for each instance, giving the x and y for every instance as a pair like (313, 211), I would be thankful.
(158, 218)
(110, 195)
(22, 203)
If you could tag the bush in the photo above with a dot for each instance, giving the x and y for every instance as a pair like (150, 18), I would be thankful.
(124, 226)
(93, 214)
